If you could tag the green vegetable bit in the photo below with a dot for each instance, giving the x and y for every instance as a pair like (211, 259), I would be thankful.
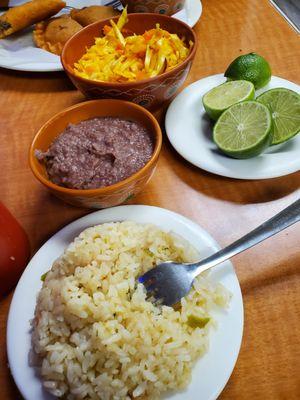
(43, 277)
(194, 321)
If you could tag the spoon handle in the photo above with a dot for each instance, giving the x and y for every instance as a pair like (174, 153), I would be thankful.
(289, 216)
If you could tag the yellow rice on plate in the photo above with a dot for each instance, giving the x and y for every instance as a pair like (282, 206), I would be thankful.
(95, 336)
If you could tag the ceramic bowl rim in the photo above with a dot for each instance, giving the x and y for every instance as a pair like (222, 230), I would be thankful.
(106, 189)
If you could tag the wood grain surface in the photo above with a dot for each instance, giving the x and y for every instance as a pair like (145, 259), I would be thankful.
(268, 366)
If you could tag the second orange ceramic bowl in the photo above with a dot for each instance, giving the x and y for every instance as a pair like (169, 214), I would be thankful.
(106, 196)
(167, 7)
(150, 93)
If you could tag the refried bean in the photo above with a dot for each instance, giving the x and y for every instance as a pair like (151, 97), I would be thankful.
(97, 152)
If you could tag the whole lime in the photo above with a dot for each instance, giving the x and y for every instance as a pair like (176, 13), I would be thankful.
(250, 67)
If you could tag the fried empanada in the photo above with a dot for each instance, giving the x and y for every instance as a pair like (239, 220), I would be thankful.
(51, 35)
(20, 17)
(88, 15)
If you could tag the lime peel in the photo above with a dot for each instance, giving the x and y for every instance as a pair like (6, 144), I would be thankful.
(251, 67)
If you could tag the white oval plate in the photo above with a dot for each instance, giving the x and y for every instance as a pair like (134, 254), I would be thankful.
(210, 373)
(189, 130)
(19, 53)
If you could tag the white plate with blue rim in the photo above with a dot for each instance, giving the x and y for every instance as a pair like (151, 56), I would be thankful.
(211, 372)
(189, 130)
(18, 52)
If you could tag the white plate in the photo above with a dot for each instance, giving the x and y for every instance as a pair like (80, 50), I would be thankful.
(210, 373)
(18, 52)
(191, 12)
(190, 132)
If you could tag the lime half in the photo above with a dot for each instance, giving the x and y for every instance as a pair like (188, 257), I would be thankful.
(244, 130)
(218, 99)
(284, 105)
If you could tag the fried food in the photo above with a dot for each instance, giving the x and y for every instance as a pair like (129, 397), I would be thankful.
(51, 35)
(88, 15)
(20, 17)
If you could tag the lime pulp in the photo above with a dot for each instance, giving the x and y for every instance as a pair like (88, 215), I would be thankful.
(220, 98)
(244, 130)
(284, 105)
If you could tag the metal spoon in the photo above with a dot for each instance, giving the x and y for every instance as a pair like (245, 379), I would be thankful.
(169, 281)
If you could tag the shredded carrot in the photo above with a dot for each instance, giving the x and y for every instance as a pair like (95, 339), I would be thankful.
(106, 29)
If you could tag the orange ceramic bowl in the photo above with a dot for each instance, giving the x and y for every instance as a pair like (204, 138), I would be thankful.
(110, 195)
(150, 93)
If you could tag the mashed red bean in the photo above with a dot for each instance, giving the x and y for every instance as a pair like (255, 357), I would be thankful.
(97, 152)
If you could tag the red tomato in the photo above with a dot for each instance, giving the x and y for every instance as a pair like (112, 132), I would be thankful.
(14, 250)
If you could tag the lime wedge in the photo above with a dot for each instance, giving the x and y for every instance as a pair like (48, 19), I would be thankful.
(284, 105)
(218, 99)
(244, 130)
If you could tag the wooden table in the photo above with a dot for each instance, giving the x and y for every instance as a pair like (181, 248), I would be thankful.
(268, 366)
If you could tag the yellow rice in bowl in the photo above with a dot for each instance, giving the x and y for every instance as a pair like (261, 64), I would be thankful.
(95, 336)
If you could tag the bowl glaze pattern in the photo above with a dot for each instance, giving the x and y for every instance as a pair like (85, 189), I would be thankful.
(167, 7)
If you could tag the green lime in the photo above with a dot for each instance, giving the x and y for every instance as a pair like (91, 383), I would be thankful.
(244, 130)
(218, 99)
(251, 67)
(284, 105)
